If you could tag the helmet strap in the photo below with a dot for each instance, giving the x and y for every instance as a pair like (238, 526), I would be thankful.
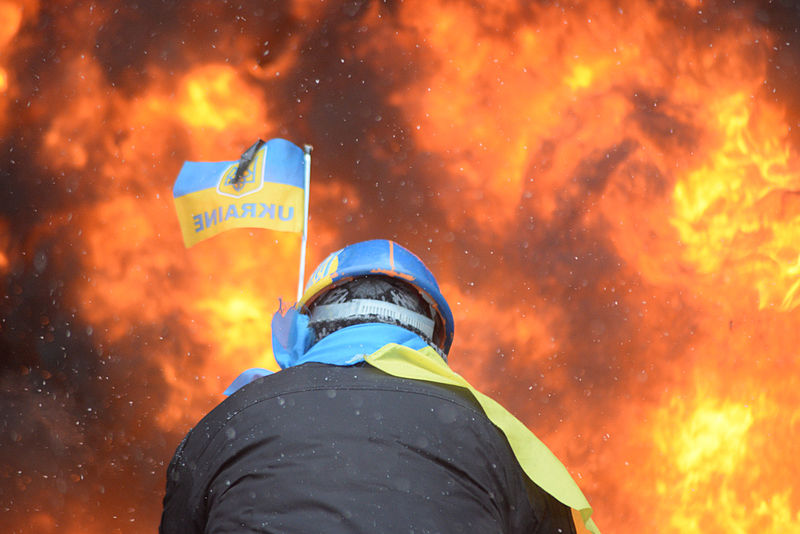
(369, 308)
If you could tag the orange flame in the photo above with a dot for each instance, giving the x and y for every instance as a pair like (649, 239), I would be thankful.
(11, 15)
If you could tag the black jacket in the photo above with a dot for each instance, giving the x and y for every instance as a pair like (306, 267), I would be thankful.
(321, 448)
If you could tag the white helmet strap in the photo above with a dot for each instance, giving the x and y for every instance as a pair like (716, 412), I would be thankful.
(373, 308)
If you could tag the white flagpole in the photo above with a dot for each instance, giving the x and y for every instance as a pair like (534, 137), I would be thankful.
(306, 193)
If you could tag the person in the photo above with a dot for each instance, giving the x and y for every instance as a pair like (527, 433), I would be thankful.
(365, 428)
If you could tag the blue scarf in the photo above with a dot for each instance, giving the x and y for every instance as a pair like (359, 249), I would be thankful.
(291, 337)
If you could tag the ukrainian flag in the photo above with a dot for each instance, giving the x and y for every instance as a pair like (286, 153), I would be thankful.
(268, 194)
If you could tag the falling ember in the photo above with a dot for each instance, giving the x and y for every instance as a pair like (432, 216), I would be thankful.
(609, 193)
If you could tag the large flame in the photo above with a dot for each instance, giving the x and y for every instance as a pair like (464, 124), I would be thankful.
(608, 192)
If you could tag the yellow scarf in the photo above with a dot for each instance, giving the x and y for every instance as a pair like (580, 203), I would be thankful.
(541, 465)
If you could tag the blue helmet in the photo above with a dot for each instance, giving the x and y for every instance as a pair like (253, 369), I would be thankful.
(381, 257)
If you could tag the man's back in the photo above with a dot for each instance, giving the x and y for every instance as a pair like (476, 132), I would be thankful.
(320, 448)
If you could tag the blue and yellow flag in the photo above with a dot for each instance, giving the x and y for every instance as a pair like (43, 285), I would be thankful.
(210, 198)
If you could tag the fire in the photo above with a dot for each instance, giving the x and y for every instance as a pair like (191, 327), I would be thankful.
(5, 243)
(738, 212)
(11, 15)
(711, 449)
(214, 97)
(580, 78)
(607, 192)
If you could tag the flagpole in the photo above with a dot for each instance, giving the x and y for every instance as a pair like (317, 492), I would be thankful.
(306, 193)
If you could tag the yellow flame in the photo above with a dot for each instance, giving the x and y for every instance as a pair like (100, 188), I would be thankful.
(580, 77)
(712, 440)
(702, 449)
(238, 319)
(736, 214)
(215, 97)
(708, 479)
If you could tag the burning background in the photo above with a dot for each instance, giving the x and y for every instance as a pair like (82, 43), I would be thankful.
(609, 193)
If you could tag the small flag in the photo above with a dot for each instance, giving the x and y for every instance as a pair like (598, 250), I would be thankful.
(212, 197)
